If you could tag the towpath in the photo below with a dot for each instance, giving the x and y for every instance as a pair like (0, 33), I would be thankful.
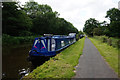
(92, 65)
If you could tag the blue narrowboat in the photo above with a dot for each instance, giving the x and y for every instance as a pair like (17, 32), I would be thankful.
(50, 45)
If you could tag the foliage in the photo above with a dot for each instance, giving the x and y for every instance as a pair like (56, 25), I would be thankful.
(7, 39)
(103, 28)
(47, 21)
(25, 33)
(33, 18)
(109, 53)
(114, 16)
(90, 24)
(115, 29)
(115, 42)
(44, 25)
(66, 27)
(33, 9)
(79, 35)
(97, 31)
(10, 40)
(14, 19)
(60, 66)
(109, 40)
(80, 32)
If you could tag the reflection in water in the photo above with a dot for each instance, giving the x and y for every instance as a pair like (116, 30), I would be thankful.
(14, 63)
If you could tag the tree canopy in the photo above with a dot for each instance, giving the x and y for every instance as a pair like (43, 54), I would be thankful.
(14, 20)
(33, 18)
(90, 24)
(94, 27)
(114, 17)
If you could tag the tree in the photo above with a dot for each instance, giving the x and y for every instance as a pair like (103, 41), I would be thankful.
(47, 21)
(33, 9)
(80, 32)
(14, 19)
(65, 27)
(90, 24)
(104, 28)
(33, 17)
(97, 31)
(115, 29)
(43, 18)
(114, 16)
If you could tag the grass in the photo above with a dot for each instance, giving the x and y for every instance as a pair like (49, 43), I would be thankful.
(109, 53)
(62, 65)
(109, 40)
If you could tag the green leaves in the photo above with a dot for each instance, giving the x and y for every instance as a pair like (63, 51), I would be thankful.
(14, 20)
(93, 27)
(47, 21)
(114, 16)
(33, 18)
(90, 24)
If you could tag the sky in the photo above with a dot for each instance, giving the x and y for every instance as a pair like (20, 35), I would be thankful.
(78, 11)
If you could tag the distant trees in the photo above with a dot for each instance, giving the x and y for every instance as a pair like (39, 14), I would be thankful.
(94, 27)
(90, 24)
(33, 18)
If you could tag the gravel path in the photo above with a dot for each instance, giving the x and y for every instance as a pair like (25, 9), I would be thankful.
(92, 65)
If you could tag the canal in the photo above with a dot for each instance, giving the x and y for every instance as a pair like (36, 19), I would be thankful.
(14, 62)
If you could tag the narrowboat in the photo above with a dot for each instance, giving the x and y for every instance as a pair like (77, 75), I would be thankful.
(49, 45)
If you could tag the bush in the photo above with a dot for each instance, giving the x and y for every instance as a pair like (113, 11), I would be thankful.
(25, 33)
(109, 41)
(77, 37)
(104, 40)
(115, 42)
(10, 40)
(7, 40)
(118, 44)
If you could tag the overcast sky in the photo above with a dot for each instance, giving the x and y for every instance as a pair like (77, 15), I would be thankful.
(78, 11)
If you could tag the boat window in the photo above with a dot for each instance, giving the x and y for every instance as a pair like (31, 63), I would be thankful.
(74, 40)
(69, 41)
(62, 43)
(53, 44)
(48, 44)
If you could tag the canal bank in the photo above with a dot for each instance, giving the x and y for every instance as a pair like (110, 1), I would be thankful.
(60, 66)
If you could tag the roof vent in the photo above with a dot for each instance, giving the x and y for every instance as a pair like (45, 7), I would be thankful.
(48, 35)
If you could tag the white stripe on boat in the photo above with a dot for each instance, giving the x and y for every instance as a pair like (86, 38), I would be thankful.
(35, 42)
(43, 43)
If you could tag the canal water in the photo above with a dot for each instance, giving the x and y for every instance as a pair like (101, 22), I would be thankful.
(14, 62)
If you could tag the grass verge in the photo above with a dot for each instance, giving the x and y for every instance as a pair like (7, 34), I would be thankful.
(62, 65)
(109, 53)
